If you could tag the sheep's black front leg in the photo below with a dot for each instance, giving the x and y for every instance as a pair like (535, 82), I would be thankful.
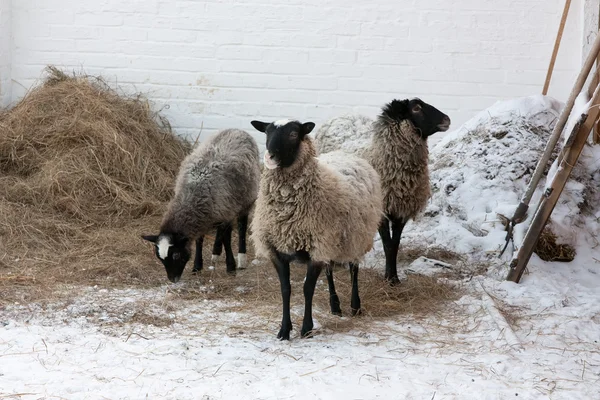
(391, 253)
(198, 257)
(229, 258)
(242, 229)
(355, 299)
(312, 274)
(282, 265)
(334, 300)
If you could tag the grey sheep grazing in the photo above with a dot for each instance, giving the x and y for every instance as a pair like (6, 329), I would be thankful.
(398, 151)
(217, 183)
(313, 210)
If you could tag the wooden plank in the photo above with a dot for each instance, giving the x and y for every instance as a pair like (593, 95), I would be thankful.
(561, 28)
(570, 154)
(596, 135)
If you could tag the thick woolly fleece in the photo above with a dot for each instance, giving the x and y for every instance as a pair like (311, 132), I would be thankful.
(334, 134)
(400, 156)
(217, 182)
(396, 151)
(329, 206)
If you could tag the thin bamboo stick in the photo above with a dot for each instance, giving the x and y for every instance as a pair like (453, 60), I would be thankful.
(561, 28)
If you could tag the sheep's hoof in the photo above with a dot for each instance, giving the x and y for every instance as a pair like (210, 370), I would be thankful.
(393, 281)
(356, 311)
(232, 272)
(284, 333)
(214, 260)
(242, 261)
(197, 268)
(307, 332)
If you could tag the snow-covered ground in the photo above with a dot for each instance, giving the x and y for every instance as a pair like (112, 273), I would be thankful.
(535, 340)
(553, 352)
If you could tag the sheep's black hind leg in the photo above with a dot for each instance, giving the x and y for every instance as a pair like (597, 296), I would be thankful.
(397, 227)
(312, 274)
(355, 299)
(334, 300)
(391, 252)
(229, 258)
(217, 246)
(198, 257)
(282, 265)
(242, 229)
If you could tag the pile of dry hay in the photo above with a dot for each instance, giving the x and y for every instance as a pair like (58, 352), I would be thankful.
(84, 170)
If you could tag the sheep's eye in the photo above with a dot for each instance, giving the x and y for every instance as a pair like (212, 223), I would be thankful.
(176, 256)
(293, 135)
(416, 108)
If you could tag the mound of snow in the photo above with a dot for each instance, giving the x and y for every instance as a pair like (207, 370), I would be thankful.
(349, 133)
(480, 172)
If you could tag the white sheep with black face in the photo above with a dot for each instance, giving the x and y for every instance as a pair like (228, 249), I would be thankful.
(217, 184)
(397, 149)
(313, 210)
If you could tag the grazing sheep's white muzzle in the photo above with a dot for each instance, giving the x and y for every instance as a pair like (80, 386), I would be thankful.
(163, 247)
(269, 163)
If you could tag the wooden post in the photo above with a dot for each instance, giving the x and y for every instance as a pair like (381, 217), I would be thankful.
(595, 81)
(561, 28)
(570, 154)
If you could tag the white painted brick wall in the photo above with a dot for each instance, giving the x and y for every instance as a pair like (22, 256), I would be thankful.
(5, 52)
(222, 63)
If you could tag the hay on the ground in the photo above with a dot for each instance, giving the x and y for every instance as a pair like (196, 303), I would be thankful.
(84, 169)
(548, 250)
(258, 289)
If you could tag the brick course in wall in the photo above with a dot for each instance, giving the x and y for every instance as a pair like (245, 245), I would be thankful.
(219, 64)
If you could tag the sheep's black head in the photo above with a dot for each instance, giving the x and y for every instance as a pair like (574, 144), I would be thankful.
(283, 141)
(425, 117)
(173, 251)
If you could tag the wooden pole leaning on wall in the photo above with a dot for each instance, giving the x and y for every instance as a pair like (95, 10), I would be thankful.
(567, 159)
(559, 34)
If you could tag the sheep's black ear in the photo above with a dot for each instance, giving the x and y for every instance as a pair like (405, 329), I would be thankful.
(150, 238)
(260, 126)
(307, 127)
